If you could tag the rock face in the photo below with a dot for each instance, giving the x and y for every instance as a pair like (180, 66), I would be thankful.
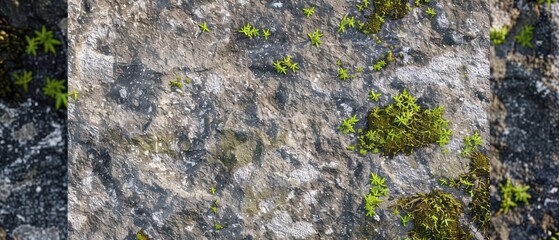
(33, 135)
(143, 155)
(525, 118)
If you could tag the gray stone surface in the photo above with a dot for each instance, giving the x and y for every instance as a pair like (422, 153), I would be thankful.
(525, 119)
(143, 155)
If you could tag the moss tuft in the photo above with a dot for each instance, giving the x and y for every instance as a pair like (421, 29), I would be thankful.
(402, 127)
(435, 216)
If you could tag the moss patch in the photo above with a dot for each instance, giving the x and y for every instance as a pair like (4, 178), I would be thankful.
(402, 127)
(394, 9)
(435, 216)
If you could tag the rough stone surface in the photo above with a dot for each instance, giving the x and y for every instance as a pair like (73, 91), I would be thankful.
(525, 119)
(33, 135)
(143, 155)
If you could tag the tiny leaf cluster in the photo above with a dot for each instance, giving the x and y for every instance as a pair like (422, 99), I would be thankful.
(347, 125)
(525, 36)
(44, 37)
(402, 127)
(471, 143)
(498, 36)
(378, 189)
(379, 65)
(308, 11)
(24, 79)
(511, 195)
(249, 31)
(55, 89)
(346, 21)
(315, 37)
(281, 66)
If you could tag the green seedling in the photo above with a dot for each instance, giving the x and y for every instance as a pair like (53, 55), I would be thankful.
(24, 79)
(431, 12)
(342, 74)
(46, 38)
(390, 57)
(75, 94)
(212, 190)
(266, 33)
(498, 36)
(347, 125)
(359, 70)
(525, 36)
(405, 219)
(373, 97)
(186, 80)
(378, 189)
(32, 45)
(249, 31)
(217, 226)
(508, 191)
(281, 66)
(315, 37)
(308, 11)
(203, 27)
(54, 87)
(346, 21)
(471, 143)
(176, 84)
(214, 210)
(339, 62)
(140, 235)
(379, 65)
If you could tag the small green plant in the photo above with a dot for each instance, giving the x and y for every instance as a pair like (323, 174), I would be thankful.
(217, 226)
(32, 45)
(308, 11)
(525, 36)
(378, 189)
(315, 37)
(212, 190)
(374, 96)
(405, 219)
(431, 12)
(379, 65)
(347, 125)
(346, 21)
(249, 31)
(555, 236)
(140, 235)
(362, 7)
(342, 74)
(498, 36)
(471, 143)
(511, 195)
(55, 89)
(266, 33)
(176, 83)
(46, 38)
(203, 27)
(281, 66)
(75, 94)
(24, 79)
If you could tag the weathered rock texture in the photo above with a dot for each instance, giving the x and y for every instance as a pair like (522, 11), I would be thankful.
(525, 118)
(33, 146)
(143, 155)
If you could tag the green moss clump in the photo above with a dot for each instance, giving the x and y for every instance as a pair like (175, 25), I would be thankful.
(435, 216)
(394, 9)
(402, 127)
